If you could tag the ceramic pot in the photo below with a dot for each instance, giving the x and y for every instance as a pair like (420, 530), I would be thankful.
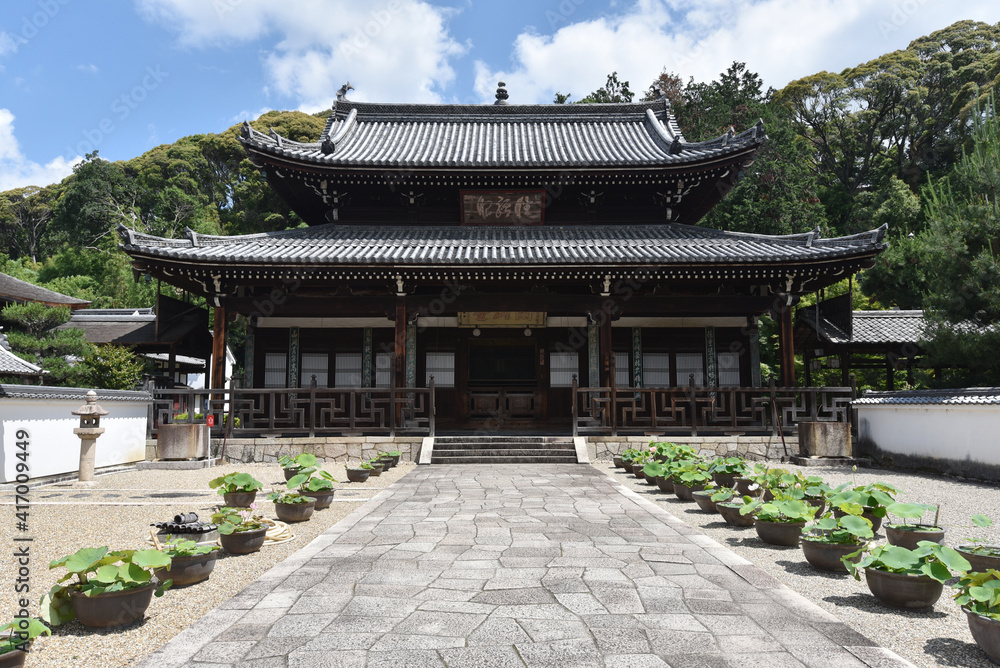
(358, 475)
(295, 512)
(902, 590)
(704, 500)
(243, 542)
(619, 464)
(731, 513)
(779, 533)
(986, 632)
(239, 499)
(637, 470)
(980, 562)
(743, 486)
(725, 479)
(13, 659)
(188, 570)
(323, 499)
(665, 484)
(650, 479)
(826, 556)
(909, 539)
(376, 469)
(112, 608)
(868, 515)
(819, 503)
(290, 473)
(684, 492)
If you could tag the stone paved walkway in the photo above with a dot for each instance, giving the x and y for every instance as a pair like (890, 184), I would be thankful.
(521, 565)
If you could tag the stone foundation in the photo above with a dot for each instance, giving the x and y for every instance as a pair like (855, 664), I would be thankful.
(328, 448)
(748, 447)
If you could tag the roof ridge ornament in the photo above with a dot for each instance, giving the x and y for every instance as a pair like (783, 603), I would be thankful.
(502, 94)
(342, 92)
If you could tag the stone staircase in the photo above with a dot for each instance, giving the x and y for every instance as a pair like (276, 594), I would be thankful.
(503, 450)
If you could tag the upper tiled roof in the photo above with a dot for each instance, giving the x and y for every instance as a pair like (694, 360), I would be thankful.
(12, 365)
(964, 396)
(871, 327)
(80, 393)
(416, 246)
(14, 289)
(553, 136)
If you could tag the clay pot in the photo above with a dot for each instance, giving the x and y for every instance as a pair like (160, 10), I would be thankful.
(819, 503)
(980, 562)
(113, 608)
(743, 486)
(13, 659)
(295, 512)
(239, 499)
(358, 475)
(637, 470)
(779, 533)
(704, 500)
(684, 492)
(376, 468)
(243, 542)
(902, 590)
(826, 556)
(731, 513)
(909, 539)
(868, 515)
(290, 473)
(619, 464)
(986, 632)
(725, 479)
(323, 499)
(188, 570)
(665, 484)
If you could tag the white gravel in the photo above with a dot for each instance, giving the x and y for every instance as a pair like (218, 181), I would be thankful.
(63, 519)
(936, 637)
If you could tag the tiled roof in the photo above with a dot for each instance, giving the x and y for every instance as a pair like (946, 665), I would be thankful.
(871, 327)
(553, 136)
(416, 246)
(964, 396)
(14, 289)
(47, 392)
(12, 365)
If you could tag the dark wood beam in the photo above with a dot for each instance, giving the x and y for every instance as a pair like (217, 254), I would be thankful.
(787, 348)
(219, 349)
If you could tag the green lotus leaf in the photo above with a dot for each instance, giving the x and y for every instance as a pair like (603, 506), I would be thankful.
(936, 570)
(857, 526)
(910, 511)
(951, 558)
(982, 521)
(151, 559)
(82, 560)
(898, 558)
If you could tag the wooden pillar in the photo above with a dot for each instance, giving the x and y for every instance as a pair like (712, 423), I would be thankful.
(787, 348)
(845, 368)
(607, 357)
(218, 349)
(806, 364)
(399, 368)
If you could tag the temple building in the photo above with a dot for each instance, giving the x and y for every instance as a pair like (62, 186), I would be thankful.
(511, 252)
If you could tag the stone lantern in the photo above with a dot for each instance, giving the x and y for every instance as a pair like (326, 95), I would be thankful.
(88, 431)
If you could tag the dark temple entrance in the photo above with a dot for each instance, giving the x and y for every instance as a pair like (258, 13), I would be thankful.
(503, 381)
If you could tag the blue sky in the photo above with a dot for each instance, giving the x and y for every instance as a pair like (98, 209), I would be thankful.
(122, 76)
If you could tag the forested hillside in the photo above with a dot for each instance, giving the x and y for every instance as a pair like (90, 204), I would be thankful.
(879, 143)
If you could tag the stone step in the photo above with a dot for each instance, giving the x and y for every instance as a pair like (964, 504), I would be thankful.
(475, 459)
(499, 452)
(505, 438)
(501, 445)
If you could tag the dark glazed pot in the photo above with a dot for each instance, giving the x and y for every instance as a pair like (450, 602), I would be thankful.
(986, 632)
(980, 562)
(743, 486)
(665, 484)
(725, 479)
(731, 513)
(358, 475)
(295, 512)
(901, 590)
(243, 542)
(290, 473)
(323, 499)
(779, 533)
(684, 492)
(188, 570)
(13, 659)
(376, 469)
(619, 464)
(113, 608)
(909, 539)
(704, 500)
(819, 503)
(637, 470)
(874, 519)
(239, 499)
(826, 556)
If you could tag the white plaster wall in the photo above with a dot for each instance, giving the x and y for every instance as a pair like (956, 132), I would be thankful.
(963, 433)
(53, 448)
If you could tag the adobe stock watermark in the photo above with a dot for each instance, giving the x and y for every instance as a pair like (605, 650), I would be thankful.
(379, 20)
(34, 23)
(901, 14)
(121, 108)
(562, 13)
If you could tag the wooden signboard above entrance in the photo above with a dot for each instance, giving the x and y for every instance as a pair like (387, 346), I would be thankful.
(501, 319)
(503, 207)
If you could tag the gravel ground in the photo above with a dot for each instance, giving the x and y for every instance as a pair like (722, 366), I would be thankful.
(936, 637)
(117, 512)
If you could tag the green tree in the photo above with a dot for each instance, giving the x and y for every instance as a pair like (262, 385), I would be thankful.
(24, 217)
(612, 91)
(58, 352)
(113, 367)
(35, 318)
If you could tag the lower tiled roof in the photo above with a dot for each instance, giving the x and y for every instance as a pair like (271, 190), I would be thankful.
(661, 244)
(48, 392)
(964, 396)
(12, 365)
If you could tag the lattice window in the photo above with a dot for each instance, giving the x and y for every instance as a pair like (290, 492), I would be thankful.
(688, 364)
(315, 364)
(656, 369)
(623, 370)
(442, 367)
(275, 369)
(383, 369)
(347, 370)
(729, 369)
(562, 367)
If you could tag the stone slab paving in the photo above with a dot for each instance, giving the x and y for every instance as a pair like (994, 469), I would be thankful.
(533, 566)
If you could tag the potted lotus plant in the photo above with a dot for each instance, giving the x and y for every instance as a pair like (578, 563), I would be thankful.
(908, 534)
(292, 466)
(780, 521)
(689, 475)
(725, 470)
(983, 557)
(110, 588)
(358, 473)
(904, 578)
(190, 562)
(317, 483)
(874, 498)
(238, 490)
(241, 530)
(730, 509)
(706, 498)
(979, 596)
(656, 474)
(826, 541)
(291, 506)
(15, 640)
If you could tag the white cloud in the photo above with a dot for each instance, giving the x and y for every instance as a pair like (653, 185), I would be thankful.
(16, 170)
(7, 44)
(89, 68)
(394, 50)
(781, 40)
